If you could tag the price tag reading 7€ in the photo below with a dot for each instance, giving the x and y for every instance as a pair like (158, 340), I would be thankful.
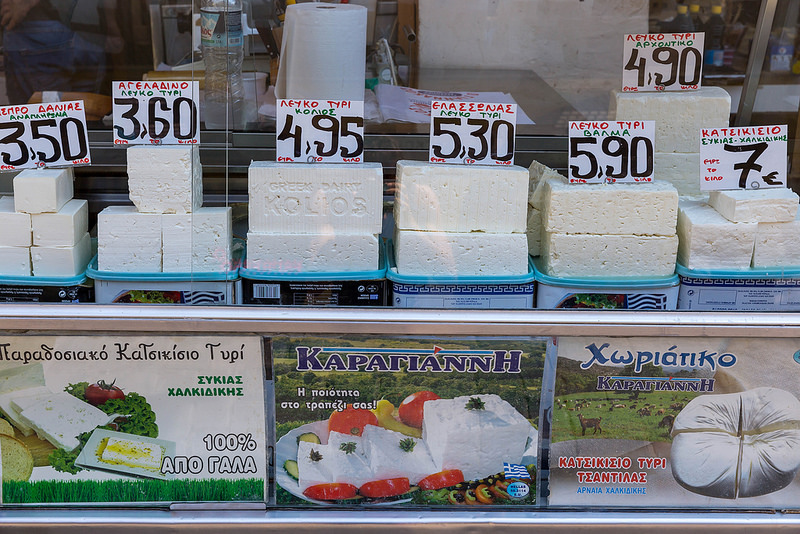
(163, 112)
(43, 135)
(662, 62)
(472, 133)
(748, 157)
(313, 131)
(611, 151)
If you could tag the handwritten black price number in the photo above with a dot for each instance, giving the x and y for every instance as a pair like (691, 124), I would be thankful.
(666, 55)
(60, 146)
(482, 127)
(629, 154)
(756, 150)
(158, 127)
(334, 127)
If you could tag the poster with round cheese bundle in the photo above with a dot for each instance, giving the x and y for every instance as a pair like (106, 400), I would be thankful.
(676, 422)
(406, 421)
(132, 420)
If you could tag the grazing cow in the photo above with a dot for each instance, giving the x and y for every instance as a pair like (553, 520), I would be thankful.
(667, 421)
(589, 423)
(677, 406)
(661, 411)
(644, 412)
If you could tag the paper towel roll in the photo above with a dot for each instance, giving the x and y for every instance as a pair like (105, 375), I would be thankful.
(323, 54)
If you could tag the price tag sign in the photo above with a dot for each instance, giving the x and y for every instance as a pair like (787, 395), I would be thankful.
(156, 113)
(472, 133)
(611, 151)
(749, 157)
(51, 134)
(316, 131)
(662, 62)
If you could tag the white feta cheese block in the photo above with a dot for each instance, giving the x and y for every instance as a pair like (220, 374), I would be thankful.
(133, 453)
(313, 471)
(337, 439)
(537, 173)
(22, 398)
(475, 441)
(682, 170)
(710, 241)
(15, 261)
(312, 253)
(392, 455)
(16, 226)
(777, 244)
(537, 196)
(64, 228)
(619, 208)
(756, 205)
(317, 198)
(128, 241)
(198, 241)
(348, 463)
(460, 254)
(679, 117)
(176, 242)
(534, 231)
(608, 256)
(165, 179)
(42, 190)
(21, 377)
(460, 198)
(62, 261)
(61, 418)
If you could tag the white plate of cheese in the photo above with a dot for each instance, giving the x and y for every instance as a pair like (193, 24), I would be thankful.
(127, 454)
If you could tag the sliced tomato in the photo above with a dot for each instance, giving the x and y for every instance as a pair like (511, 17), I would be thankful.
(483, 495)
(336, 491)
(385, 488)
(442, 479)
(351, 421)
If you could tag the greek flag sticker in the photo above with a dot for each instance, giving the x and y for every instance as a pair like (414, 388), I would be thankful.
(515, 471)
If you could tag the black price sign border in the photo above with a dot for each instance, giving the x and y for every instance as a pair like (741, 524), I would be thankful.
(164, 106)
(322, 120)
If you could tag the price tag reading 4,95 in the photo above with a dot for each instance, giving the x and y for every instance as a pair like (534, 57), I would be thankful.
(156, 113)
(662, 62)
(611, 151)
(43, 135)
(316, 131)
(746, 157)
(472, 133)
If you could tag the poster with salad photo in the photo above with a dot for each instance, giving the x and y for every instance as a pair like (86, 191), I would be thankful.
(132, 420)
(406, 421)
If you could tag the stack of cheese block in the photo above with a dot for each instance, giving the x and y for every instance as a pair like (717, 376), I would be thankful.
(45, 230)
(679, 118)
(460, 220)
(167, 229)
(314, 218)
(740, 229)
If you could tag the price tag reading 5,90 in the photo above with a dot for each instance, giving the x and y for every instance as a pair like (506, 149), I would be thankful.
(43, 135)
(472, 133)
(662, 62)
(156, 113)
(316, 131)
(611, 151)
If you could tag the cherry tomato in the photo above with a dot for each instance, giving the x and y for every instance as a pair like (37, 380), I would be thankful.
(442, 479)
(335, 491)
(351, 421)
(99, 393)
(385, 488)
(410, 410)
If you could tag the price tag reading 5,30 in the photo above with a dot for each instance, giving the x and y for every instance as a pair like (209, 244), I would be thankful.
(316, 131)
(747, 157)
(611, 151)
(155, 113)
(43, 135)
(662, 62)
(472, 133)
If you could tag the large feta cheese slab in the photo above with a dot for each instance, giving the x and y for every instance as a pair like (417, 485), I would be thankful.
(460, 254)
(392, 454)
(619, 208)
(347, 461)
(42, 190)
(128, 241)
(198, 241)
(16, 226)
(681, 170)
(21, 377)
(312, 253)
(64, 228)
(460, 198)
(314, 464)
(756, 205)
(22, 398)
(15, 261)
(777, 244)
(710, 241)
(590, 256)
(61, 418)
(165, 179)
(287, 198)
(462, 435)
(62, 261)
(679, 116)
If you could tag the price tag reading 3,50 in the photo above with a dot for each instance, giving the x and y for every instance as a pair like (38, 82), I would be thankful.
(662, 62)
(472, 133)
(156, 113)
(316, 131)
(43, 135)
(746, 157)
(611, 151)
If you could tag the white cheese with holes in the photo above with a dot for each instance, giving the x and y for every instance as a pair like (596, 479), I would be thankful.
(777, 244)
(42, 190)
(15, 261)
(756, 205)
(460, 198)
(61, 418)
(198, 241)
(681, 170)
(16, 226)
(317, 198)
(128, 241)
(392, 454)
(312, 253)
(710, 241)
(64, 228)
(62, 261)
(165, 179)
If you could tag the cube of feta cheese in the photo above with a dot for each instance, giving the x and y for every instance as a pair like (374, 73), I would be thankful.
(64, 228)
(165, 179)
(313, 464)
(312, 253)
(537, 173)
(16, 226)
(61, 418)
(348, 464)
(62, 261)
(682, 170)
(756, 205)
(128, 241)
(42, 190)
(15, 261)
(392, 455)
(710, 241)
(198, 241)
(777, 244)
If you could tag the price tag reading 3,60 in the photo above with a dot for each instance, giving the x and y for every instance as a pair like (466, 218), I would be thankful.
(611, 151)
(156, 113)
(472, 133)
(746, 157)
(316, 131)
(662, 62)
(43, 135)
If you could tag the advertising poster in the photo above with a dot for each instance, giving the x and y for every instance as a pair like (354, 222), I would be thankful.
(127, 419)
(406, 421)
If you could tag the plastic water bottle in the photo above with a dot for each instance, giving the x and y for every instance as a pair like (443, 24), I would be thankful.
(223, 51)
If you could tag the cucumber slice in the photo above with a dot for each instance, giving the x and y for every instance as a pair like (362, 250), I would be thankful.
(291, 468)
(310, 437)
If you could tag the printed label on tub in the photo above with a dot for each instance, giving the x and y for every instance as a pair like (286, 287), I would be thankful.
(715, 294)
